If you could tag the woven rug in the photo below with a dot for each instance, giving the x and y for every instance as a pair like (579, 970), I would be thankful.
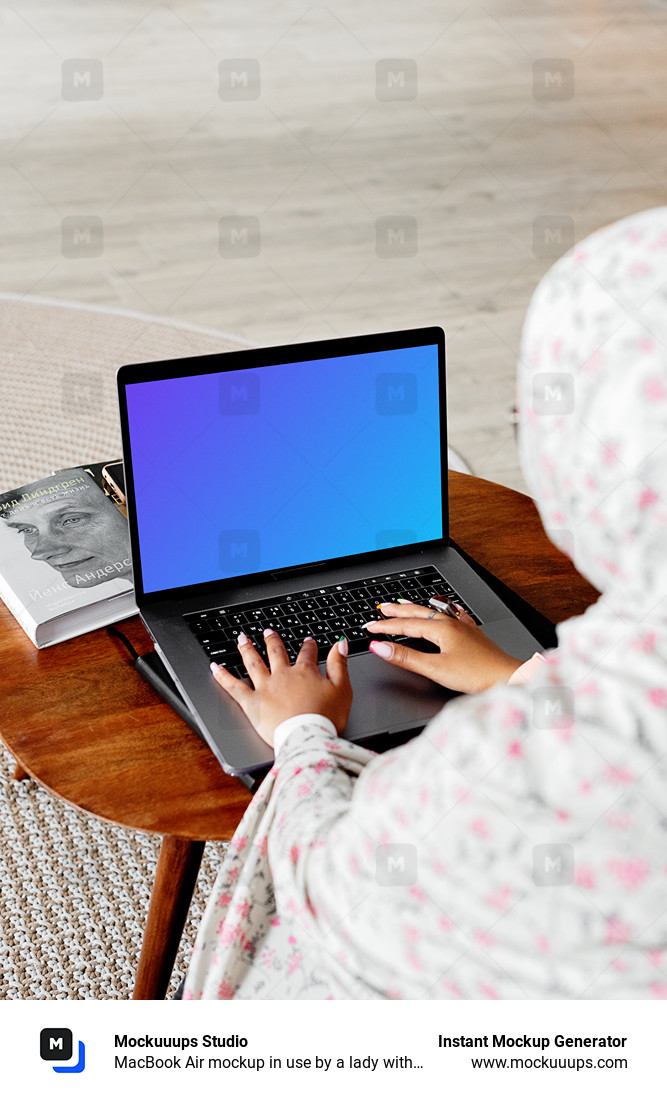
(74, 897)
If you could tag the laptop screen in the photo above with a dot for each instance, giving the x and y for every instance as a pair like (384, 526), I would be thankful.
(247, 471)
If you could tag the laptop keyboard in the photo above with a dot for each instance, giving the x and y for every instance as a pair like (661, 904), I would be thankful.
(322, 613)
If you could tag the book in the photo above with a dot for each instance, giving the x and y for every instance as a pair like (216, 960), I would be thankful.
(65, 564)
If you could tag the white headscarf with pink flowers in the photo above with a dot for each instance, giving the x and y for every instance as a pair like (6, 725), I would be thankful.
(596, 331)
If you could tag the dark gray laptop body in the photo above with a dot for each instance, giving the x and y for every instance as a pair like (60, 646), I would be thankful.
(386, 700)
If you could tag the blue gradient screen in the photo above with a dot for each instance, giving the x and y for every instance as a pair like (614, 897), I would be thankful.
(259, 469)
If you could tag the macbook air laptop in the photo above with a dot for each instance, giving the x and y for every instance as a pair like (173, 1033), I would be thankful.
(295, 487)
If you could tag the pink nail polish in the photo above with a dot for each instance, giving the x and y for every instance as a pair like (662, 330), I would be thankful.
(343, 647)
(214, 666)
(382, 649)
(268, 631)
(241, 639)
(371, 622)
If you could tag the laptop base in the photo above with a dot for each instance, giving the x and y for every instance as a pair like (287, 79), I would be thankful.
(152, 668)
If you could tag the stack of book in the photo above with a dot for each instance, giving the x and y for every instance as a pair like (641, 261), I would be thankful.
(65, 564)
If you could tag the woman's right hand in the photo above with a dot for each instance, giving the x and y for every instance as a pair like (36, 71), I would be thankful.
(468, 661)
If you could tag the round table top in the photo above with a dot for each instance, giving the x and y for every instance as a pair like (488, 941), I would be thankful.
(83, 722)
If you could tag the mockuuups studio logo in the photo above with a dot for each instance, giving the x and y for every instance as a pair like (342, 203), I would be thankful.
(396, 864)
(553, 708)
(55, 1045)
(239, 393)
(395, 78)
(82, 237)
(239, 552)
(395, 237)
(396, 393)
(553, 393)
(82, 78)
(239, 237)
(553, 79)
(239, 79)
(553, 234)
(553, 864)
(82, 394)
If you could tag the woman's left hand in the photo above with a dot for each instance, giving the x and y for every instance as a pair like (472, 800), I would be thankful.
(284, 690)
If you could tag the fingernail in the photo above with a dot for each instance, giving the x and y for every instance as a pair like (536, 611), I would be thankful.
(308, 638)
(268, 631)
(381, 649)
(343, 646)
(364, 626)
(214, 666)
(241, 639)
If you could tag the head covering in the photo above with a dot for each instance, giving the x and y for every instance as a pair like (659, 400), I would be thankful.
(589, 753)
(529, 822)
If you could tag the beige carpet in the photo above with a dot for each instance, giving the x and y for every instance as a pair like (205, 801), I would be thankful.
(58, 363)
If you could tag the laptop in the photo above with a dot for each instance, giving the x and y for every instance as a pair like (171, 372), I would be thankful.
(295, 487)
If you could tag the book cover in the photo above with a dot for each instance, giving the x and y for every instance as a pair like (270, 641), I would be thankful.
(64, 557)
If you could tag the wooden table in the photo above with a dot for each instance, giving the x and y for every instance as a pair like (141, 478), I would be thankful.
(80, 720)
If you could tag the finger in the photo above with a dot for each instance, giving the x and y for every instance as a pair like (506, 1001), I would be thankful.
(254, 665)
(307, 655)
(409, 610)
(275, 650)
(426, 664)
(231, 684)
(337, 670)
(463, 615)
(432, 629)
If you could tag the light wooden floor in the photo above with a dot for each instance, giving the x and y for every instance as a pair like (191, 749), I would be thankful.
(475, 158)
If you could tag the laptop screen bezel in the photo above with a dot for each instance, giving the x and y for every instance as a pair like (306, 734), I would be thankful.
(258, 357)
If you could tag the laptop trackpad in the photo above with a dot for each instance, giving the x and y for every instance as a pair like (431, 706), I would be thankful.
(388, 699)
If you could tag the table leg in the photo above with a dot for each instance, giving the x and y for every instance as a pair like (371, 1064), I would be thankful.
(20, 772)
(175, 879)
